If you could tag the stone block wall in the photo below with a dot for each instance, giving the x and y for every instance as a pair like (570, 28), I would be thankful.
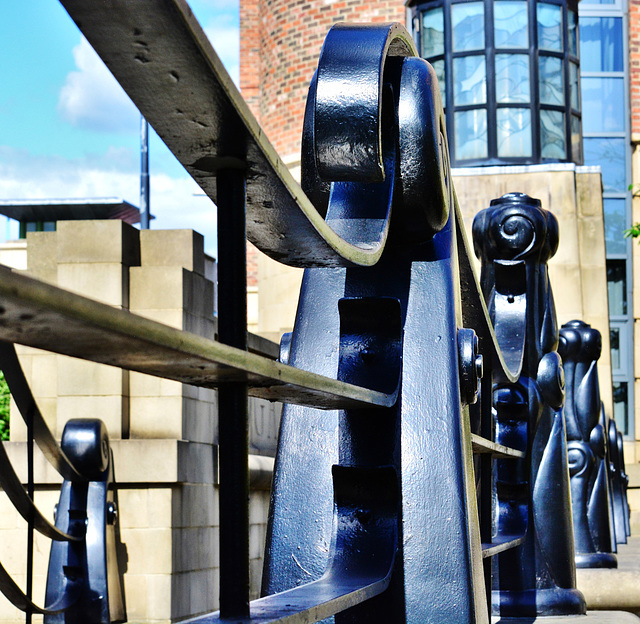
(577, 271)
(163, 433)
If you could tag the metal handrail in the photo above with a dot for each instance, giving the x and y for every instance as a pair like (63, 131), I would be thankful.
(28, 408)
(40, 315)
(199, 93)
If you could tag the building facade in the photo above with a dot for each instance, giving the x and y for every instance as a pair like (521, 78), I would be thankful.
(573, 100)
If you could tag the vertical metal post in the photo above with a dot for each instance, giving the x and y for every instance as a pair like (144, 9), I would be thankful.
(31, 493)
(145, 214)
(487, 478)
(233, 433)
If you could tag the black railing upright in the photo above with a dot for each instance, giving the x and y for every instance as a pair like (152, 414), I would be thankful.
(83, 580)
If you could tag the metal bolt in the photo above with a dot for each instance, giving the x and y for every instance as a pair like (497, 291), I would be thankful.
(367, 355)
(471, 365)
(112, 513)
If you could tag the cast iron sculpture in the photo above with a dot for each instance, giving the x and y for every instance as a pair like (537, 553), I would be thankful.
(580, 347)
(514, 239)
(378, 328)
(619, 483)
(84, 583)
(374, 512)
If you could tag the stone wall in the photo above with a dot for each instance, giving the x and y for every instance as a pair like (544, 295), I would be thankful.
(577, 271)
(163, 433)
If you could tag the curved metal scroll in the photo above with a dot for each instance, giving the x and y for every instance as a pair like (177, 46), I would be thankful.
(580, 348)
(207, 125)
(20, 600)
(515, 238)
(80, 563)
(21, 393)
(11, 485)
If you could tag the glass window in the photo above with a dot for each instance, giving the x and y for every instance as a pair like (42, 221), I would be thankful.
(603, 104)
(615, 223)
(573, 33)
(469, 80)
(601, 44)
(438, 66)
(574, 85)
(549, 26)
(471, 134)
(614, 342)
(552, 131)
(610, 155)
(467, 20)
(32, 226)
(514, 132)
(511, 28)
(620, 406)
(576, 139)
(512, 78)
(551, 82)
(617, 287)
(432, 33)
(48, 226)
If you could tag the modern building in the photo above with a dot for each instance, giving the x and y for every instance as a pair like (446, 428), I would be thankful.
(541, 94)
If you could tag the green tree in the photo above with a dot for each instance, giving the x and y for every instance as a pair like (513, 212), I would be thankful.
(4, 408)
(634, 230)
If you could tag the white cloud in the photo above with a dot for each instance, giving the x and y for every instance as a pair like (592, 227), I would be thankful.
(176, 202)
(91, 98)
(221, 5)
(224, 35)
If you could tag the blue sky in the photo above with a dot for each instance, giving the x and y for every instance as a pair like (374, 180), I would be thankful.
(68, 130)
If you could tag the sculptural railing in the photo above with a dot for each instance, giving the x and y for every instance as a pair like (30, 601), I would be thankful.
(83, 580)
(375, 511)
(598, 484)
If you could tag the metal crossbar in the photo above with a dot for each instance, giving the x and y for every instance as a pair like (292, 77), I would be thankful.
(44, 316)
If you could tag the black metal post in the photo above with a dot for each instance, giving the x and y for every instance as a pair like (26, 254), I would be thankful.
(233, 433)
(145, 213)
(30, 524)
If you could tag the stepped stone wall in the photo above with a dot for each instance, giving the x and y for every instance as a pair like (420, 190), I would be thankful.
(163, 433)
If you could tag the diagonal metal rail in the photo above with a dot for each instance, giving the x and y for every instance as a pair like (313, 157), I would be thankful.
(160, 55)
(39, 315)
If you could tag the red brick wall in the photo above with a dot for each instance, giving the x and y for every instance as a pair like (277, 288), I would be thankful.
(634, 65)
(280, 42)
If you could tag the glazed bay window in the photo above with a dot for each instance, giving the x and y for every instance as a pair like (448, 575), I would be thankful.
(509, 75)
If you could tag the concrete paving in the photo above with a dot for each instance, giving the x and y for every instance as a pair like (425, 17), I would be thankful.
(593, 617)
(614, 589)
(613, 596)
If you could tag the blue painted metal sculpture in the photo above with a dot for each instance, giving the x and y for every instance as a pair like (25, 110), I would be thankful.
(374, 513)
(619, 483)
(84, 583)
(514, 239)
(580, 347)
(375, 328)
(86, 573)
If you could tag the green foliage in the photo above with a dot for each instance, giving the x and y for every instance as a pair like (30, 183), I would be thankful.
(633, 231)
(4, 408)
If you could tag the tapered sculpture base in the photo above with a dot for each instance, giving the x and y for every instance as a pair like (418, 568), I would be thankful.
(596, 560)
(534, 602)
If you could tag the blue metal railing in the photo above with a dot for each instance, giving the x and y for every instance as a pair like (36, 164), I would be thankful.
(422, 445)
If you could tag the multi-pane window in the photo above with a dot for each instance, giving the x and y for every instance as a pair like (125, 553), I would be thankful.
(509, 75)
(604, 79)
